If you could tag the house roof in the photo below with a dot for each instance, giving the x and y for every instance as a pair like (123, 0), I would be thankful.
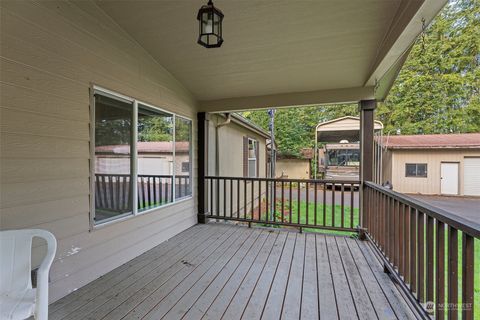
(237, 118)
(433, 141)
(146, 147)
(277, 52)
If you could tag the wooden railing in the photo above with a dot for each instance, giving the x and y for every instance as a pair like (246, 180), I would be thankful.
(316, 204)
(420, 246)
(113, 191)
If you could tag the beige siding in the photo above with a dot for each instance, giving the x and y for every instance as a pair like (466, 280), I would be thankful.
(230, 145)
(433, 158)
(230, 163)
(51, 52)
(293, 168)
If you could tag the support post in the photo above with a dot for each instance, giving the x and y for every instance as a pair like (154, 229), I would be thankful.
(367, 123)
(202, 192)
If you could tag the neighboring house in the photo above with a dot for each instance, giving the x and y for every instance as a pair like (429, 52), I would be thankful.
(446, 164)
(155, 158)
(295, 167)
(237, 147)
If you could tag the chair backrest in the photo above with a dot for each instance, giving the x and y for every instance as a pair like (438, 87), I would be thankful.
(15, 261)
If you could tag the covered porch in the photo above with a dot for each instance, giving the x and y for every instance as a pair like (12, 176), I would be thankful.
(163, 257)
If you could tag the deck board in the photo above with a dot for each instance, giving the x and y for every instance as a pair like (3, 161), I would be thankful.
(223, 271)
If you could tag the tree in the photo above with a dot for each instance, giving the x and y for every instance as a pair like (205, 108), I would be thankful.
(438, 88)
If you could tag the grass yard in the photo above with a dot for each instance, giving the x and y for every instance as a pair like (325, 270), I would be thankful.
(329, 210)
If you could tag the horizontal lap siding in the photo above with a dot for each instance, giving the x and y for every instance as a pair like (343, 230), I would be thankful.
(50, 54)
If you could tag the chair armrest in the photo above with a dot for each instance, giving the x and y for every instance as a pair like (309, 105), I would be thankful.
(42, 275)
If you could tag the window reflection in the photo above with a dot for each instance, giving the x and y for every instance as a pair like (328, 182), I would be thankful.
(113, 139)
(183, 159)
(154, 158)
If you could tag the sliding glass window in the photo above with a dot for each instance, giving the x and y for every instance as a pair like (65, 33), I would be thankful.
(183, 157)
(142, 158)
(155, 158)
(113, 149)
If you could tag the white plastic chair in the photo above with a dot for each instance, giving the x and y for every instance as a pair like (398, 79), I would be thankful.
(18, 300)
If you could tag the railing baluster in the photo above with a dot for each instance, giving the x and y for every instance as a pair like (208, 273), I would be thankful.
(413, 250)
(282, 207)
(324, 204)
(267, 202)
(452, 272)
(231, 198)
(468, 276)
(217, 200)
(168, 189)
(155, 190)
(352, 192)
(298, 203)
(307, 191)
(421, 256)
(224, 197)
(401, 258)
(440, 271)
(259, 199)
(238, 198)
(274, 213)
(252, 196)
(429, 255)
(290, 204)
(149, 200)
(333, 204)
(406, 245)
(316, 203)
(245, 199)
(342, 205)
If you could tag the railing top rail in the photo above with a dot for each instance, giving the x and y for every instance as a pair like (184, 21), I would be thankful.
(470, 227)
(337, 182)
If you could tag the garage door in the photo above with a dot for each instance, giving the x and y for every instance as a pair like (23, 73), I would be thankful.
(471, 184)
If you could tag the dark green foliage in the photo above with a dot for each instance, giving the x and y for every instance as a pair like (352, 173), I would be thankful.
(438, 89)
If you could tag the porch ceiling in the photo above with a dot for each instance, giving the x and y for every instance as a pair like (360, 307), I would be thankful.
(279, 53)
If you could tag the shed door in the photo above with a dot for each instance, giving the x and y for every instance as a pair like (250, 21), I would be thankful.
(471, 177)
(449, 178)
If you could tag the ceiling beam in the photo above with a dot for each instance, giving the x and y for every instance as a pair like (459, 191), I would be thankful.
(333, 96)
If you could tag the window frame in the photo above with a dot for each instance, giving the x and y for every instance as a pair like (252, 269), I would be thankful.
(416, 170)
(255, 143)
(95, 89)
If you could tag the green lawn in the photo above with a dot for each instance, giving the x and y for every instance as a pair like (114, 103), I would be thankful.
(311, 215)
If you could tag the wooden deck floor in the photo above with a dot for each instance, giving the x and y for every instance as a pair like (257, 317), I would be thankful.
(218, 271)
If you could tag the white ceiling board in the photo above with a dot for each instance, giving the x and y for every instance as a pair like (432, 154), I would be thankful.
(271, 47)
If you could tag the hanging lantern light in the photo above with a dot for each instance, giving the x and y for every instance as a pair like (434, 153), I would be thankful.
(210, 19)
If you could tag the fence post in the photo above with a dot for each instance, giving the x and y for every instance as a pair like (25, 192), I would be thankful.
(367, 124)
(202, 193)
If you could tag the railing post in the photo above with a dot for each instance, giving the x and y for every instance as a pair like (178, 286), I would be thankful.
(202, 125)
(367, 109)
